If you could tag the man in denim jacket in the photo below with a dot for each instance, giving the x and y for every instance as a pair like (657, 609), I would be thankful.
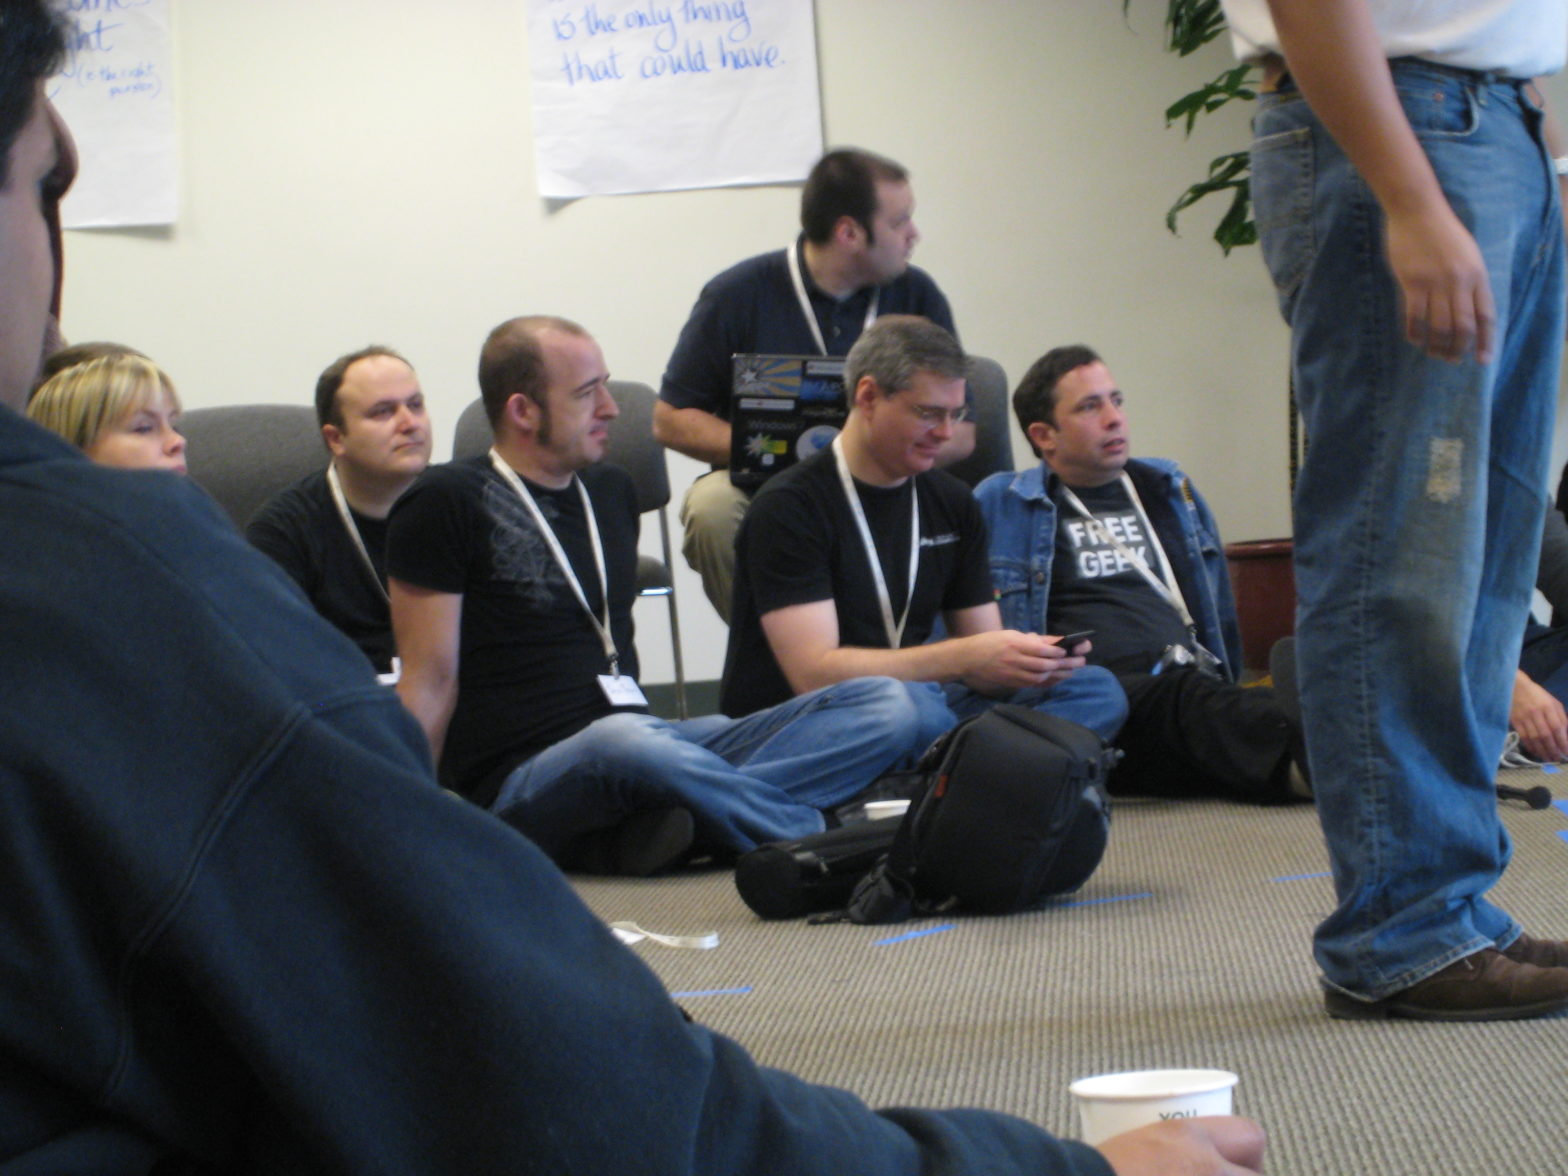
(1091, 540)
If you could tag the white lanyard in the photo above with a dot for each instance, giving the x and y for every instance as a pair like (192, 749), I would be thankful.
(895, 633)
(1169, 589)
(793, 254)
(338, 498)
(602, 627)
(629, 932)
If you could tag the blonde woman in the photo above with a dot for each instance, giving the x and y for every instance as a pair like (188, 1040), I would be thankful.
(117, 406)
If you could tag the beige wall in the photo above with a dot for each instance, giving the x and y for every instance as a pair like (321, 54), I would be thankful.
(361, 170)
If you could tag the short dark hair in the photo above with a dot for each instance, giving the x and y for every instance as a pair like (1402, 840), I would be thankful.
(32, 47)
(330, 382)
(844, 183)
(1034, 399)
(512, 362)
(897, 346)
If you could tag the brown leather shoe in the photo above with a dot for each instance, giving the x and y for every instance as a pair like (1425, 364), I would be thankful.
(1543, 953)
(1487, 986)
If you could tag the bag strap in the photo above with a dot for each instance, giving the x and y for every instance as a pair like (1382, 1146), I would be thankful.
(886, 894)
(879, 897)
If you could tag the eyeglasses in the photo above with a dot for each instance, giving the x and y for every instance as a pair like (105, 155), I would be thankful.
(930, 415)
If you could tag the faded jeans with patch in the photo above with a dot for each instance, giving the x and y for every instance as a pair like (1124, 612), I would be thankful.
(1418, 516)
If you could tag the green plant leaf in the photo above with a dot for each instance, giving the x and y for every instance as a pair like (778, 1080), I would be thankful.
(1237, 227)
(1231, 85)
(1226, 173)
(1192, 24)
(1189, 25)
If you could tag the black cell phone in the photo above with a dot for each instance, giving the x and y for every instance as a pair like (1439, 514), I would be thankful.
(1072, 640)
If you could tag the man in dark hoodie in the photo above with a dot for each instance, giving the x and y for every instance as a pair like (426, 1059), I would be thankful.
(248, 933)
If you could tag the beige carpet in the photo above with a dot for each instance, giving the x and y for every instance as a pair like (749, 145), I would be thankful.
(1189, 947)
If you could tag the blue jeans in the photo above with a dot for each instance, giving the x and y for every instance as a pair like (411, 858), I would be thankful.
(765, 777)
(1418, 516)
(1092, 698)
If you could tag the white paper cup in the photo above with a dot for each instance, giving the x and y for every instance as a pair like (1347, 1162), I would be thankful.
(881, 810)
(1109, 1104)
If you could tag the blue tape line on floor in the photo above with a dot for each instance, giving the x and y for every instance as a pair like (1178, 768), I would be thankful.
(1560, 805)
(711, 992)
(916, 934)
(1299, 877)
(1549, 768)
(1563, 833)
(1112, 898)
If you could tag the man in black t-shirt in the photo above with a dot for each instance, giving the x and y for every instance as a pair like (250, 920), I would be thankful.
(849, 264)
(512, 581)
(328, 530)
(847, 561)
(1090, 539)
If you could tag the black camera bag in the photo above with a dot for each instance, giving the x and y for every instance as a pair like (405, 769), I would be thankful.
(1010, 809)
(788, 879)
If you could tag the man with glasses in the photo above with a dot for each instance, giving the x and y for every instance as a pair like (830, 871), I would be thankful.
(847, 561)
(1091, 539)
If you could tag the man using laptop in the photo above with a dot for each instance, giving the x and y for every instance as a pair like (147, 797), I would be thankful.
(847, 560)
(329, 529)
(849, 265)
(512, 579)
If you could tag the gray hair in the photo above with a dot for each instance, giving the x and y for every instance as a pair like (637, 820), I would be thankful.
(897, 346)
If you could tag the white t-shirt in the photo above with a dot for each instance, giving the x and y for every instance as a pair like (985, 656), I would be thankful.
(1519, 38)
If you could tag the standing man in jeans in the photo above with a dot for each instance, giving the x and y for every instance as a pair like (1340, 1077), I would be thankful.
(1408, 207)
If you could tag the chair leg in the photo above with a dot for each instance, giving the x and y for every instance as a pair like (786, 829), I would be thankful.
(675, 622)
(680, 670)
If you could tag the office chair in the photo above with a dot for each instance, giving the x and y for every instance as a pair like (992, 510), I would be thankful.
(243, 454)
(993, 428)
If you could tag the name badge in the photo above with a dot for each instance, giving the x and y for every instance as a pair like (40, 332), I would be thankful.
(621, 690)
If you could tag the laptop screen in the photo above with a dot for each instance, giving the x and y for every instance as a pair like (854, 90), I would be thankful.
(783, 408)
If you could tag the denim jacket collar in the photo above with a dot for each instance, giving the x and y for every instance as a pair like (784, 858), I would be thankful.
(1021, 515)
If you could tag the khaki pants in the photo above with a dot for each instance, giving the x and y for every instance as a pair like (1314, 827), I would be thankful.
(711, 514)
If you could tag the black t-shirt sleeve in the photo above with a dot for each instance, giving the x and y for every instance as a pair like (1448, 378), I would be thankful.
(932, 302)
(783, 542)
(278, 532)
(430, 530)
(698, 374)
(971, 583)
